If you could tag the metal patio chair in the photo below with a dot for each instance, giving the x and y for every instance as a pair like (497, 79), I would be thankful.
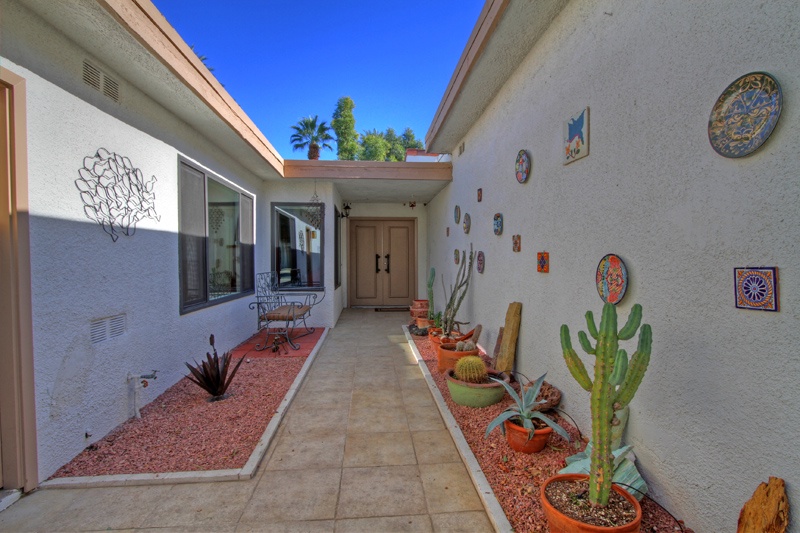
(279, 313)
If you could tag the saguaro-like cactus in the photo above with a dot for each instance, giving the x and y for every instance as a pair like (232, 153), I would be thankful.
(457, 291)
(616, 380)
(431, 280)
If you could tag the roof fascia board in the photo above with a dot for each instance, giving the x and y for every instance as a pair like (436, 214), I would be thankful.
(382, 170)
(487, 22)
(143, 20)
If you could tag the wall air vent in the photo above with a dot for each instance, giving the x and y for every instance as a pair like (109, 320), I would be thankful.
(107, 328)
(96, 78)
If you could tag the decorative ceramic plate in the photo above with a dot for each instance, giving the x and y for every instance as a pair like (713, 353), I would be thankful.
(456, 256)
(498, 223)
(523, 166)
(611, 279)
(457, 214)
(745, 115)
(481, 262)
(467, 222)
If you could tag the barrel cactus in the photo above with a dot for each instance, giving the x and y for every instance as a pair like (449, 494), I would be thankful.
(471, 369)
(616, 380)
(465, 346)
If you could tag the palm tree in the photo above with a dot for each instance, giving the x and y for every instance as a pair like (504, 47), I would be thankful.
(308, 133)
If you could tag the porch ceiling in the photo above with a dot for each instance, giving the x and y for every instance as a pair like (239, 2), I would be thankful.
(375, 181)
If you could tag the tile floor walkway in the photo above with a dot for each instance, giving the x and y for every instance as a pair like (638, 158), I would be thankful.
(362, 448)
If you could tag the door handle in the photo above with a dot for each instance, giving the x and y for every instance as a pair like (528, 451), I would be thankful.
(387, 263)
(377, 263)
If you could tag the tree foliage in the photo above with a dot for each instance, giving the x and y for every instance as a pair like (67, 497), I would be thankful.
(311, 133)
(393, 147)
(374, 147)
(344, 125)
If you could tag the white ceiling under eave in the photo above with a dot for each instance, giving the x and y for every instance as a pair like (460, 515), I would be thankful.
(505, 33)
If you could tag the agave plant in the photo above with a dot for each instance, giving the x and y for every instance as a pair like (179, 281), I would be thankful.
(212, 375)
(524, 410)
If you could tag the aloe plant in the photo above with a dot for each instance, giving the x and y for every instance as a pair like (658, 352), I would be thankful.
(525, 410)
(616, 380)
(212, 375)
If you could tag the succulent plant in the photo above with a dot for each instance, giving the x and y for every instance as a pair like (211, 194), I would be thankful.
(212, 375)
(616, 380)
(471, 369)
(431, 280)
(524, 410)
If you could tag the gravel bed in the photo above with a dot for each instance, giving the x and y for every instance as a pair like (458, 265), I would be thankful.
(181, 431)
(515, 477)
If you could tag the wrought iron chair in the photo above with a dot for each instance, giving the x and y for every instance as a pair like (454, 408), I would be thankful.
(280, 313)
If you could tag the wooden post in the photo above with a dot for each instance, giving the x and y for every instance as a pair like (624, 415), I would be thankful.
(508, 349)
(767, 511)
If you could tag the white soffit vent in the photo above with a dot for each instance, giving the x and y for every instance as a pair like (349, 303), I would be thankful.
(107, 328)
(94, 77)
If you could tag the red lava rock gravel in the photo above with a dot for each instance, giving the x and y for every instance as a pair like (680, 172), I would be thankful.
(515, 477)
(181, 431)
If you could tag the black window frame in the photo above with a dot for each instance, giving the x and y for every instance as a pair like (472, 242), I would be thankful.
(246, 253)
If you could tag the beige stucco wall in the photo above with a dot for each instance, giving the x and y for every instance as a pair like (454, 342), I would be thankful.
(719, 408)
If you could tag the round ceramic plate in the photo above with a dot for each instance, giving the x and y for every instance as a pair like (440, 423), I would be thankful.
(745, 115)
(457, 214)
(467, 222)
(523, 166)
(481, 260)
(611, 279)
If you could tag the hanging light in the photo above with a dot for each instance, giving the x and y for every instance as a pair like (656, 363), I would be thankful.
(345, 210)
(314, 210)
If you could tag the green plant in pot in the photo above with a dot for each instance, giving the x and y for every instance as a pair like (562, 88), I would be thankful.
(469, 383)
(517, 421)
(431, 280)
(448, 354)
(458, 292)
(616, 380)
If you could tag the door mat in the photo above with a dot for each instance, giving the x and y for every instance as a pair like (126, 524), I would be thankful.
(390, 309)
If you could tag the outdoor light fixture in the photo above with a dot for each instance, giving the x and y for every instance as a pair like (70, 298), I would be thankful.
(345, 210)
(314, 209)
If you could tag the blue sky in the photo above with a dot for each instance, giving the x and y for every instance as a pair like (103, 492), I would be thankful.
(284, 60)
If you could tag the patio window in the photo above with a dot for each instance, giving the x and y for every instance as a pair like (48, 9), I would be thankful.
(297, 245)
(215, 241)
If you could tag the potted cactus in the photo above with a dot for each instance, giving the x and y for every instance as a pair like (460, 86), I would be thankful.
(616, 379)
(457, 293)
(470, 384)
(517, 421)
(448, 354)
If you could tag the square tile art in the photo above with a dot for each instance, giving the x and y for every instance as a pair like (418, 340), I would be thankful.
(543, 262)
(516, 243)
(576, 137)
(756, 288)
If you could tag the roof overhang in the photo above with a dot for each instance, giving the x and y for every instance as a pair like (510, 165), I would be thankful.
(375, 181)
(504, 34)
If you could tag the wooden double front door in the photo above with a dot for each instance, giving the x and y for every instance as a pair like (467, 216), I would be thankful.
(382, 262)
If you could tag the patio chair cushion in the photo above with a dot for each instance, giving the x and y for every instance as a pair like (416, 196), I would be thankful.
(288, 312)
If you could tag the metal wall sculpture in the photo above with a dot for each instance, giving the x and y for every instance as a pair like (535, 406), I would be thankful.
(115, 193)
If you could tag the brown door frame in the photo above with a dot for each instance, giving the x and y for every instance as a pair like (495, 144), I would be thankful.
(351, 251)
(17, 399)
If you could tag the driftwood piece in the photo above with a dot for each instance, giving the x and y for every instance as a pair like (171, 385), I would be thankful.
(508, 349)
(476, 333)
(497, 347)
(767, 511)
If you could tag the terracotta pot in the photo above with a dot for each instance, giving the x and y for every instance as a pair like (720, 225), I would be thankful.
(560, 523)
(420, 304)
(477, 394)
(448, 356)
(517, 437)
(419, 313)
(423, 323)
(448, 340)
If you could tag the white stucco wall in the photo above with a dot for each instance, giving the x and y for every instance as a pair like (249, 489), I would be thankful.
(79, 274)
(719, 409)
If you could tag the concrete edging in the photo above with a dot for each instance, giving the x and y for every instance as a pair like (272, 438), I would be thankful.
(200, 476)
(493, 508)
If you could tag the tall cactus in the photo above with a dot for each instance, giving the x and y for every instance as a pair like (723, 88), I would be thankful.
(457, 291)
(431, 280)
(615, 382)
